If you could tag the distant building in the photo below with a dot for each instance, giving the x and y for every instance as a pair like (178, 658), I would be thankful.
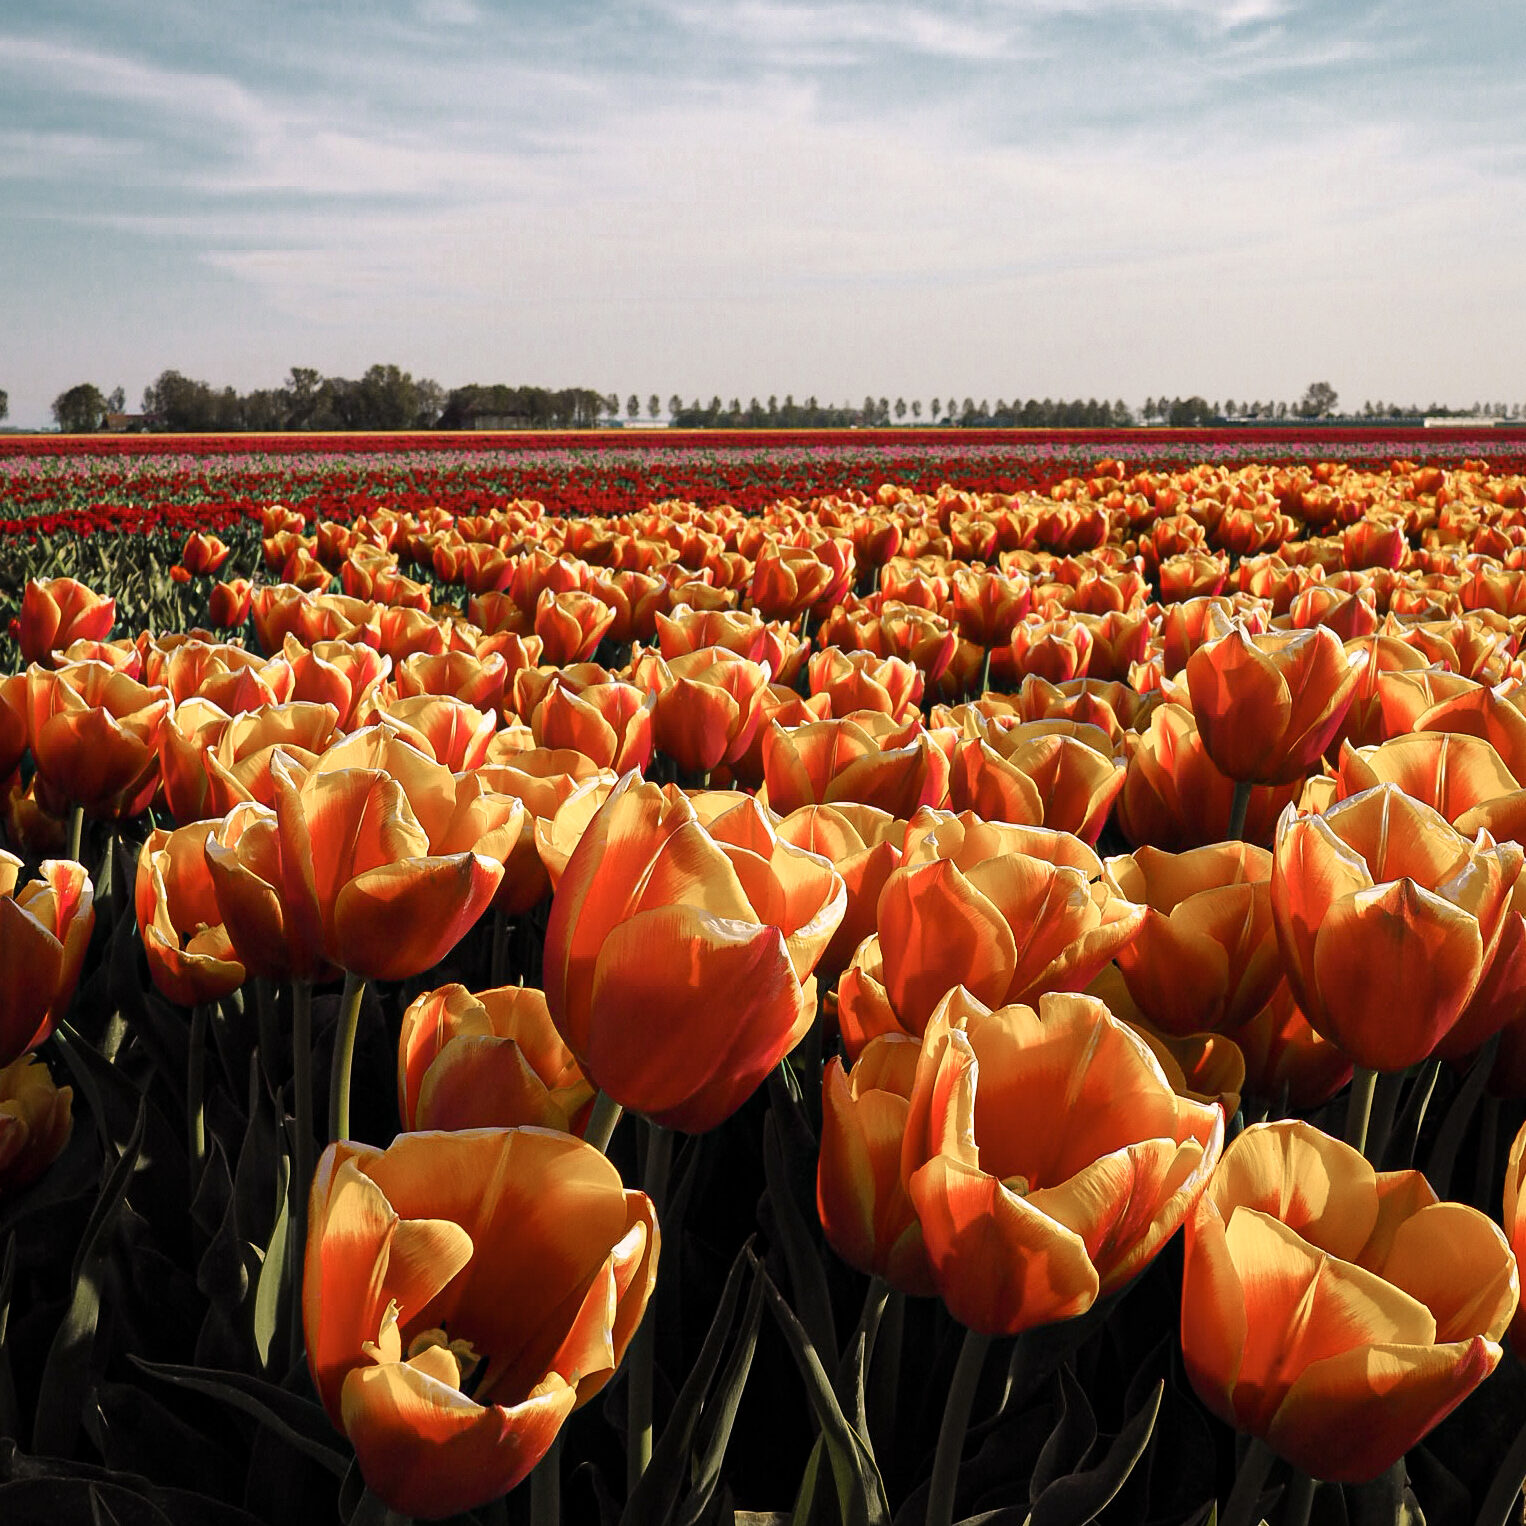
(124, 423)
(1457, 421)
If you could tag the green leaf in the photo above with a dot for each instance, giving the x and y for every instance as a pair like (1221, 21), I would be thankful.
(789, 1165)
(268, 1299)
(66, 1377)
(1081, 1496)
(300, 1423)
(860, 1489)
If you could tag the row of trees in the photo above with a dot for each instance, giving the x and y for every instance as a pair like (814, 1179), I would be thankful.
(387, 397)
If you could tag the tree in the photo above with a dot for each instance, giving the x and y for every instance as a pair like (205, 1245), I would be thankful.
(900, 408)
(117, 402)
(5, 403)
(1318, 402)
(633, 407)
(937, 408)
(653, 406)
(916, 408)
(80, 410)
(676, 406)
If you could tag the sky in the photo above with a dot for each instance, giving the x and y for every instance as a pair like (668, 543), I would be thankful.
(1040, 198)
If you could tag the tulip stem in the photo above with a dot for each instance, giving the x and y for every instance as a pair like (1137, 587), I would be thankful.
(885, 1368)
(1239, 809)
(1359, 1106)
(302, 1165)
(546, 1487)
(1300, 1499)
(1385, 1104)
(643, 1346)
(76, 831)
(195, 1090)
(985, 674)
(601, 1122)
(1242, 1508)
(956, 1421)
(344, 1056)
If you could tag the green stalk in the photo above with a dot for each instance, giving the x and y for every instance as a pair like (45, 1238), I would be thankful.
(956, 1421)
(344, 1056)
(1239, 809)
(302, 1166)
(76, 831)
(985, 674)
(601, 1122)
(1249, 1482)
(1300, 1499)
(1359, 1106)
(643, 1346)
(195, 1090)
(546, 1487)
(1385, 1104)
(885, 1369)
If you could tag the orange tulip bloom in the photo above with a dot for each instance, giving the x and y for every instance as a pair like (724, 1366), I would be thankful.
(516, 1250)
(229, 603)
(828, 762)
(361, 870)
(13, 712)
(1285, 1056)
(1047, 1157)
(1205, 957)
(649, 891)
(1054, 649)
(344, 674)
(706, 707)
(1514, 1219)
(1267, 706)
(1337, 1313)
(93, 734)
(1007, 927)
(988, 605)
(190, 957)
(1387, 919)
(45, 927)
(56, 612)
(571, 624)
(609, 723)
(865, 1210)
(203, 554)
(490, 1060)
(863, 681)
(35, 1122)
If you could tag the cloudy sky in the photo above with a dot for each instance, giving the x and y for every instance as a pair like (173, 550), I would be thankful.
(1033, 198)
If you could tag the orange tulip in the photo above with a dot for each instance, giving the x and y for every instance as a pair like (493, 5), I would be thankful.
(1047, 1157)
(190, 957)
(1284, 1056)
(203, 554)
(828, 762)
(45, 927)
(1267, 706)
(56, 612)
(1337, 1313)
(863, 681)
(1205, 957)
(706, 707)
(13, 711)
(865, 1210)
(35, 1122)
(361, 870)
(93, 734)
(512, 1250)
(344, 674)
(1514, 1220)
(649, 891)
(1008, 927)
(988, 605)
(229, 603)
(490, 1060)
(1388, 919)
(571, 624)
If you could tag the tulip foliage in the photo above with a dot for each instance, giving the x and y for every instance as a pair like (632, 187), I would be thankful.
(932, 984)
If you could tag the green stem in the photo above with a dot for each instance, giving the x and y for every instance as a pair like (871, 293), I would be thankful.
(265, 1021)
(985, 674)
(344, 1056)
(1385, 1104)
(1241, 1510)
(1359, 1107)
(302, 1165)
(956, 1421)
(1300, 1499)
(885, 1369)
(601, 1122)
(643, 1346)
(373, 1512)
(1239, 809)
(195, 1091)
(546, 1487)
(76, 831)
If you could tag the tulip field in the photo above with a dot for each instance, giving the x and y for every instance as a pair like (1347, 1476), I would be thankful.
(888, 979)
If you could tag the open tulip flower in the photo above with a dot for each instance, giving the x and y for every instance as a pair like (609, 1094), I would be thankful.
(35, 1122)
(1388, 919)
(678, 967)
(1047, 1157)
(94, 734)
(360, 870)
(1335, 1312)
(462, 1294)
(56, 612)
(1007, 927)
(1268, 705)
(45, 927)
(493, 1059)
(190, 957)
(1206, 956)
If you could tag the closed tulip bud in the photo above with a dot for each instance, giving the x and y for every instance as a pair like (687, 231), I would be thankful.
(190, 957)
(45, 927)
(229, 603)
(56, 612)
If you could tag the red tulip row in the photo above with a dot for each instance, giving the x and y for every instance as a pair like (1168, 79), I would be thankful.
(905, 727)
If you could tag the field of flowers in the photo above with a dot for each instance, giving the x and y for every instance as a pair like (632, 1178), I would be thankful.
(896, 979)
